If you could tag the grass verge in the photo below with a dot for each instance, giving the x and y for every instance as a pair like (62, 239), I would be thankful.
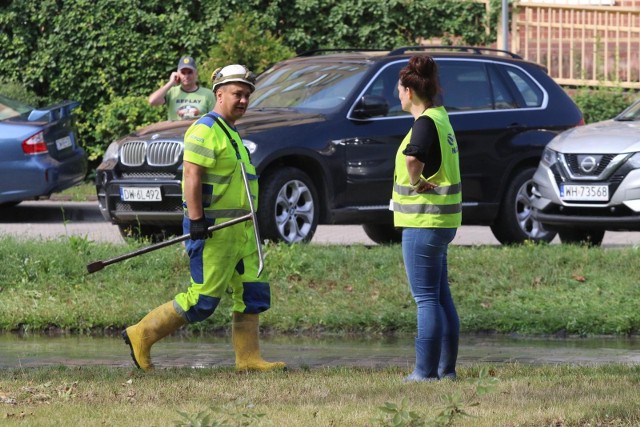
(529, 289)
(80, 193)
(518, 396)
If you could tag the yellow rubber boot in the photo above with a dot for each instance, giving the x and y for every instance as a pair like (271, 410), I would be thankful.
(244, 335)
(159, 323)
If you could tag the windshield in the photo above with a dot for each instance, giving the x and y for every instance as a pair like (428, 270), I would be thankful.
(10, 108)
(631, 114)
(318, 87)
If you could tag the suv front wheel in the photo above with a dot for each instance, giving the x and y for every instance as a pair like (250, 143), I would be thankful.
(515, 224)
(288, 208)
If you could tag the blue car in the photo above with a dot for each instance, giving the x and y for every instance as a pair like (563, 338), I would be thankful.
(39, 151)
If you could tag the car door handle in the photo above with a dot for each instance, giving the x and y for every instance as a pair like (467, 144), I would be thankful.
(516, 126)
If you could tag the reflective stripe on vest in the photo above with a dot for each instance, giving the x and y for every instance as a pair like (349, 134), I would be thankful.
(198, 149)
(403, 190)
(427, 209)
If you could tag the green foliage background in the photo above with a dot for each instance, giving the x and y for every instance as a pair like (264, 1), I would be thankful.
(602, 103)
(110, 55)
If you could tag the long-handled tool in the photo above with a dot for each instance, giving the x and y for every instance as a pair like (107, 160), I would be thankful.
(252, 216)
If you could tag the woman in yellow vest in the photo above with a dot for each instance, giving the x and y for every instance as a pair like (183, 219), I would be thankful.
(426, 204)
(213, 191)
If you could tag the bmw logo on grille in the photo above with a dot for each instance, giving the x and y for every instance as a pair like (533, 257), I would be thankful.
(588, 164)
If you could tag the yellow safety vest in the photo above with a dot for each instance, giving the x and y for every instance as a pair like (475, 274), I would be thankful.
(219, 149)
(437, 208)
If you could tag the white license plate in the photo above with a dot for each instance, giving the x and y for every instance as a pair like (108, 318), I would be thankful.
(140, 194)
(584, 193)
(63, 143)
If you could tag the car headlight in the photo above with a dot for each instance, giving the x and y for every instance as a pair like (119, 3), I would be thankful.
(634, 161)
(549, 157)
(112, 152)
(251, 146)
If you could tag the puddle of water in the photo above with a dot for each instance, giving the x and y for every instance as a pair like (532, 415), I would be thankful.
(196, 351)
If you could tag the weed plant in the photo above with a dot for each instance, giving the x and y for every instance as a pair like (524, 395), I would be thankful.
(528, 289)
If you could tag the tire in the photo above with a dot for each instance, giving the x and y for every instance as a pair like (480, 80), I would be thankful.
(383, 234)
(151, 233)
(7, 205)
(580, 236)
(515, 224)
(288, 209)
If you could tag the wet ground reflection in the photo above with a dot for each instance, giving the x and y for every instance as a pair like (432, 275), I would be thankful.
(37, 350)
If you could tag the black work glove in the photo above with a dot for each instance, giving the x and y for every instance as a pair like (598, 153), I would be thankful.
(198, 229)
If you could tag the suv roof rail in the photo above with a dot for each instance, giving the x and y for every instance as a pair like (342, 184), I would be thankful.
(475, 49)
(349, 49)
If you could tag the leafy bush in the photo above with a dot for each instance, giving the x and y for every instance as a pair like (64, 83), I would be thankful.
(307, 25)
(237, 45)
(96, 52)
(602, 103)
(119, 117)
(20, 93)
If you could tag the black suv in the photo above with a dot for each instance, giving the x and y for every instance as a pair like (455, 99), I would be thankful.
(323, 129)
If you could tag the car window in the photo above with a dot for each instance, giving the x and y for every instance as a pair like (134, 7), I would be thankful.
(312, 88)
(12, 108)
(531, 93)
(503, 99)
(630, 114)
(465, 85)
(385, 84)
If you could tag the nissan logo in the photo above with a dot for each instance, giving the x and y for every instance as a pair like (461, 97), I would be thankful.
(588, 164)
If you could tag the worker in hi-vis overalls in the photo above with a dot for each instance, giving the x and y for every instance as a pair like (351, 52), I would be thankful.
(227, 259)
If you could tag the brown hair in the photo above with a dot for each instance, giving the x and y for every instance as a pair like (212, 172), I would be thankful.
(421, 75)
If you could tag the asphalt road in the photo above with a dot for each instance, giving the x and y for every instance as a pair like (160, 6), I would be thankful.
(53, 219)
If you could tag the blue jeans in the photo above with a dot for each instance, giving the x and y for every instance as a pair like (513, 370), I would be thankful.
(425, 257)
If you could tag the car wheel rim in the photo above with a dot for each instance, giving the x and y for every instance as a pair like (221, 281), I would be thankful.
(294, 211)
(532, 228)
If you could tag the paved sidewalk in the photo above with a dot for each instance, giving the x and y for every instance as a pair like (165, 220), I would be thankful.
(51, 219)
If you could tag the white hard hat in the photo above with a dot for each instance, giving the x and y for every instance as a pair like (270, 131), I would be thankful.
(233, 73)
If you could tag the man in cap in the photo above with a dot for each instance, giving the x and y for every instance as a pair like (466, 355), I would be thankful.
(185, 99)
(213, 193)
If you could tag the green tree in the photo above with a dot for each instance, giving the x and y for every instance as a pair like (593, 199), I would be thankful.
(237, 45)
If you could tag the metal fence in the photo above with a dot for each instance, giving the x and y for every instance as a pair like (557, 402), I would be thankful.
(580, 45)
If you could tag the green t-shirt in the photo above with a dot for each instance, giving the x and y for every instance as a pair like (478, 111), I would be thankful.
(183, 105)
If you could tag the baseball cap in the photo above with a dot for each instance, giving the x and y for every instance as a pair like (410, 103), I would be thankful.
(187, 62)
(233, 73)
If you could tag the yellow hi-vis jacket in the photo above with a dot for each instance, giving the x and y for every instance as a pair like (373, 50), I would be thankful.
(437, 208)
(212, 144)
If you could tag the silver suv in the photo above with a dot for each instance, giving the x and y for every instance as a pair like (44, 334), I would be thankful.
(588, 180)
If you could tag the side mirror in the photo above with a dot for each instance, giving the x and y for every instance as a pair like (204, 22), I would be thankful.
(371, 106)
